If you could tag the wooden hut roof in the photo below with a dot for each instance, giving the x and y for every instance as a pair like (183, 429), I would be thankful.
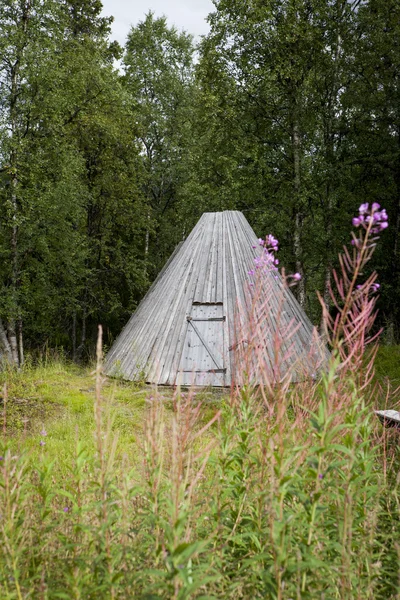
(196, 318)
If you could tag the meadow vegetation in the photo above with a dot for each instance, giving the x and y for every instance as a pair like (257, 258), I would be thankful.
(115, 490)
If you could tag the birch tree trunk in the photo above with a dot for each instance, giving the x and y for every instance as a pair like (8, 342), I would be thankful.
(391, 326)
(21, 355)
(74, 336)
(12, 337)
(5, 344)
(16, 345)
(298, 215)
(12, 334)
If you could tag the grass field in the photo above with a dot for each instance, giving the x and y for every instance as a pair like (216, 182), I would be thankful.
(114, 490)
(59, 396)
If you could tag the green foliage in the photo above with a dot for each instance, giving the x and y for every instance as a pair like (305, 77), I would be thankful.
(72, 211)
(158, 78)
(387, 366)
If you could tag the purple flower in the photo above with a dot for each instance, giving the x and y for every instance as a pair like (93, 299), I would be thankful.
(296, 276)
(374, 216)
(251, 272)
(66, 509)
(272, 242)
(1, 457)
(261, 242)
(43, 432)
(320, 476)
(42, 443)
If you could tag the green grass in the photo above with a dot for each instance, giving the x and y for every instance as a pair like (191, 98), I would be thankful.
(129, 497)
(387, 365)
(59, 398)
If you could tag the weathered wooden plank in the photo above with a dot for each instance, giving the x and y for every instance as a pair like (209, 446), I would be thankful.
(211, 268)
(389, 418)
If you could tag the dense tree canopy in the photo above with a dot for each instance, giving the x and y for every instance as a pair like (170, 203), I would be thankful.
(289, 111)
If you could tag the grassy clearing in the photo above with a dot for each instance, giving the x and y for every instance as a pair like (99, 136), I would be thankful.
(59, 398)
(109, 490)
(139, 493)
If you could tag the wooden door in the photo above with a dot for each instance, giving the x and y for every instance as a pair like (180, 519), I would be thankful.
(203, 356)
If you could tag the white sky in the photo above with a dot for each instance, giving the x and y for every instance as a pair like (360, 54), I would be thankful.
(184, 14)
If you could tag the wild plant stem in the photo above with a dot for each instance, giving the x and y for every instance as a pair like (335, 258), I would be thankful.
(360, 261)
(5, 398)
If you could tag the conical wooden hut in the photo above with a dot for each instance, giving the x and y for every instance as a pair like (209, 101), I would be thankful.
(207, 319)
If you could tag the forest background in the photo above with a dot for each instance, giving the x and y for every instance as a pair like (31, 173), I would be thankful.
(288, 110)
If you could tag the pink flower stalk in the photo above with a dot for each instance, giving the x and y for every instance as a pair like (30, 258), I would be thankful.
(349, 327)
(267, 261)
(373, 216)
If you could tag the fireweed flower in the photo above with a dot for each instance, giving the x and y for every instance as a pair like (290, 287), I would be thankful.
(267, 261)
(43, 433)
(66, 509)
(42, 443)
(367, 217)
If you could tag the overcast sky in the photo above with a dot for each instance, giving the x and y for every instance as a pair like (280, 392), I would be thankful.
(184, 14)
